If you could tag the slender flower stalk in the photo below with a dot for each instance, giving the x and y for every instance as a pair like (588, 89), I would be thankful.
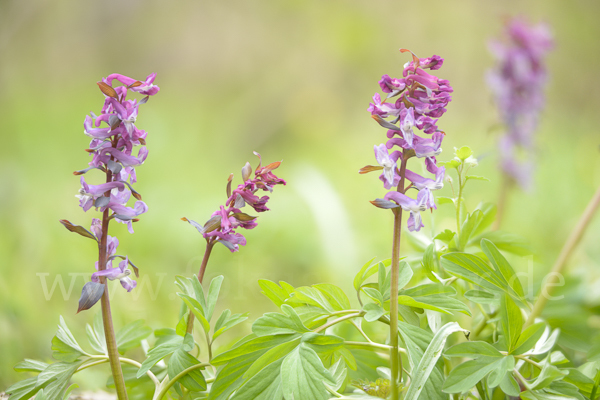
(561, 261)
(221, 227)
(209, 246)
(517, 82)
(422, 99)
(111, 149)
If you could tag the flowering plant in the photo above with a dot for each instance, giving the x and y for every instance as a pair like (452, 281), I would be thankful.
(390, 342)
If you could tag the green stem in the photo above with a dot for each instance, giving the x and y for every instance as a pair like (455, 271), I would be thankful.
(109, 332)
(459, 199)
(209, 246)
(395, 359)
(565, 253)
(180, 375)
(337, 321)
(369, 345)
(104, 359)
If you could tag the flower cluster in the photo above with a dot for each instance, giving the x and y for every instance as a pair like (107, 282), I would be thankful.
(112, 150)
(517, 82)
(223, 222)
(420, 100)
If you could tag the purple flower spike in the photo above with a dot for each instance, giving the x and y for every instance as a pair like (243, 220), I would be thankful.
(223, 222)
(114, 137)
(517, 82)
(421, 99)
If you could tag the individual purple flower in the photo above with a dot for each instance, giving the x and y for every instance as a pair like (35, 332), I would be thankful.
(389, 176)
(126, 215)
(517, 82)
(223, 222)
(146, 87)
(89, 193)
(121, 273)
(415, 207)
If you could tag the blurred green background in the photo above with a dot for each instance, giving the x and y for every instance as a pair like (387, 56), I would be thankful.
(291, 79)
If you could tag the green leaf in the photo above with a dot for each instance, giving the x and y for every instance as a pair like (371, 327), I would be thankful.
(365, 272)
(23, 390)
(473, 350)
(511, 321)
(185, 285)
(238, 360)
(489, 211)
(131, 335)
(577, 378)
(441, 200)
(475, 270)
(313, 297)
(227, 321)
(428, 262)
(265, 385)
(273, 354)
(416, 341)
(421, 373)
(258, 345)
(64, 345)
(468, 227)
(213, 295)
(374, 312)
(498, 374)
(273, 291)
(548, 375)
(336, 296)
(94, 339)
(158, 353)
(565, 388)
(449, 164)
(198, 292)
(481, 297)
(69, 390)
(508, 242)
(339, 373)
(197, 309)
(463, 153)
(529, 337)
(405, 274)
(439, 303)
(279, 324)
(448, 304)
(476, 177)
(510, 386)
(429, 289)
(465, 376)
(182, 360)
(31, 366)
(445, 236)
(305, 376)
(322, 343)
(501, 265)
(530, 395)
(55, 378)
(374, 294)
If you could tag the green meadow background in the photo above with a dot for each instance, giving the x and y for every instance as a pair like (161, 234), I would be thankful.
(290, 79)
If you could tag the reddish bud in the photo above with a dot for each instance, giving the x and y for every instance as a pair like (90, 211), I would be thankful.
(108, 90)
